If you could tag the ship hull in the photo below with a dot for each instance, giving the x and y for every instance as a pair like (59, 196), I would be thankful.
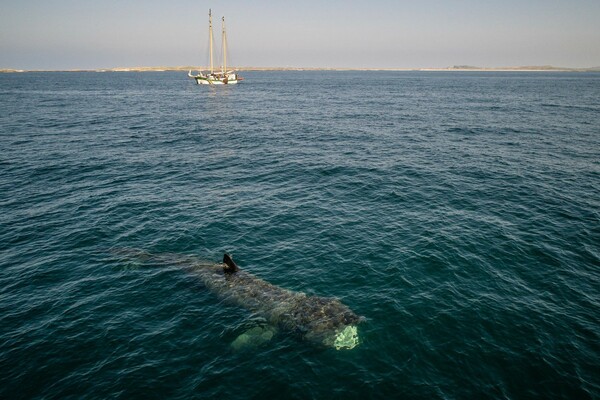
(204, 81)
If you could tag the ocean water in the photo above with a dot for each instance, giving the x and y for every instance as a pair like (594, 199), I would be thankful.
(459, 213)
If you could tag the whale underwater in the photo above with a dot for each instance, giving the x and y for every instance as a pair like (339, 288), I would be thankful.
(323, 321)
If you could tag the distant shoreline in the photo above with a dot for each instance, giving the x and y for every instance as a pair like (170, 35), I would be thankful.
(458, 68)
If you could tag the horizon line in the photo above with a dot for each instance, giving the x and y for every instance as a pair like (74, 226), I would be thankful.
(522, 68)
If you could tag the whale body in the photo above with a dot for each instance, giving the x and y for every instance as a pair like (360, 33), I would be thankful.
(323, 321)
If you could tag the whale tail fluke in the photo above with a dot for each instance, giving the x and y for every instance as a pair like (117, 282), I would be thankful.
(230, 266)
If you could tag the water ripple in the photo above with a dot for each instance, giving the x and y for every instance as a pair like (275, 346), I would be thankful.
(457, 212)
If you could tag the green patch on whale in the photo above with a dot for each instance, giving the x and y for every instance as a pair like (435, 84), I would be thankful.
(253, 337)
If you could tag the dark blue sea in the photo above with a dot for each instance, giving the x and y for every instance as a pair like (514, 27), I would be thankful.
(458, 212)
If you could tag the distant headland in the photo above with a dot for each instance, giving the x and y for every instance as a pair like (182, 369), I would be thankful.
(530, 68)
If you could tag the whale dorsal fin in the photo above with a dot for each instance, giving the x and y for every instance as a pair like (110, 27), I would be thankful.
(229, 266)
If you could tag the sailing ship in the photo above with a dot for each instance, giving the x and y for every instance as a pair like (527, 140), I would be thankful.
(212, 77)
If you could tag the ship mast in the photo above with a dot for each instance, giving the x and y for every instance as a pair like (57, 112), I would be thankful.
(224, 47)
(210, 39)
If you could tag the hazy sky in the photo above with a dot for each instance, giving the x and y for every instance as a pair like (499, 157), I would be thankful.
(67, 34)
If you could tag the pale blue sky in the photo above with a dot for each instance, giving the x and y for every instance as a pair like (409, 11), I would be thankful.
(67, 34)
